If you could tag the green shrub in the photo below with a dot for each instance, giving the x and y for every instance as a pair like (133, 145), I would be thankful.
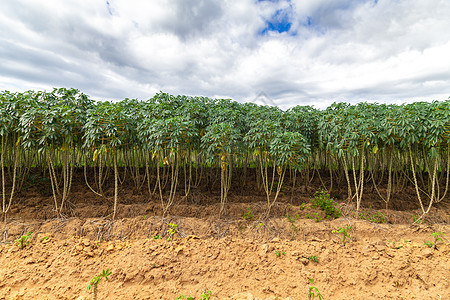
(323, 201)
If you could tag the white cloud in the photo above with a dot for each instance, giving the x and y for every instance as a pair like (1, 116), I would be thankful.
(340, 50)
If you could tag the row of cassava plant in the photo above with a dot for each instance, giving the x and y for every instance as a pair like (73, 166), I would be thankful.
(169, 144)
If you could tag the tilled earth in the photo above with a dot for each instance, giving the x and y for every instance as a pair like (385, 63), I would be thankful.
(232, 258)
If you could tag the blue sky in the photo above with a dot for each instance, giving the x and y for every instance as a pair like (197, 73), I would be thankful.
(297, 52)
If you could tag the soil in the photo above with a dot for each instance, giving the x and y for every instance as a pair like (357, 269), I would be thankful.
(234, 257)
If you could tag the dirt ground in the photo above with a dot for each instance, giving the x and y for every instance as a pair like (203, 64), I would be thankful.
(240, 256)
(234, 259)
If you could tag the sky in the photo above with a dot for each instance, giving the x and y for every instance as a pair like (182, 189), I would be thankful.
(285, 53)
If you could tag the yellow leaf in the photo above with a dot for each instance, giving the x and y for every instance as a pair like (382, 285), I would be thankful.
(375, 149)
(96, 153)
(155, 154)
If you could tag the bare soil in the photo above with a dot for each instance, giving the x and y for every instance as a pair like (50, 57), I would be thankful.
(233, 257)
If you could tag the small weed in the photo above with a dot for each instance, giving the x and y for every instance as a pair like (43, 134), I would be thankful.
(23, 241)
(344, 232)
(313, 292)
(323, 201)
(437, 237)
(260, 225)
(44, 238)
(204, 296)
(302, 206)
(278, 253)
(248, 215)
(373, 218)
(292, 220)
(144, 217)
(314, 258)
(183, 297)
(171, 231)
(315, 216)
(93, 283)
(393, 245)
(157, 237)
(429, 244)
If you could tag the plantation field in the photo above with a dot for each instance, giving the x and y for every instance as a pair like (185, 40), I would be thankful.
(242, 255)
(177, 196)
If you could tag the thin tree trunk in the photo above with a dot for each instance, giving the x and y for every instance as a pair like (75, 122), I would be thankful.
(116, 183)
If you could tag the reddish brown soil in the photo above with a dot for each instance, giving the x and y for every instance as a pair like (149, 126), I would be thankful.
(233, 257)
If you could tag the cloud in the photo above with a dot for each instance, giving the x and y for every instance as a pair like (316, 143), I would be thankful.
(296, 52)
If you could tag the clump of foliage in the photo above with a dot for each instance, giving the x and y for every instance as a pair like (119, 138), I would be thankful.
(206, 295)
(377, 217)
(171, 231)
(248, 215)
(437, 237)
(323, 201)
(313, 292)
(24, 240)
(344, 232)
(93, 283)
(315, 216)
(314, 258)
